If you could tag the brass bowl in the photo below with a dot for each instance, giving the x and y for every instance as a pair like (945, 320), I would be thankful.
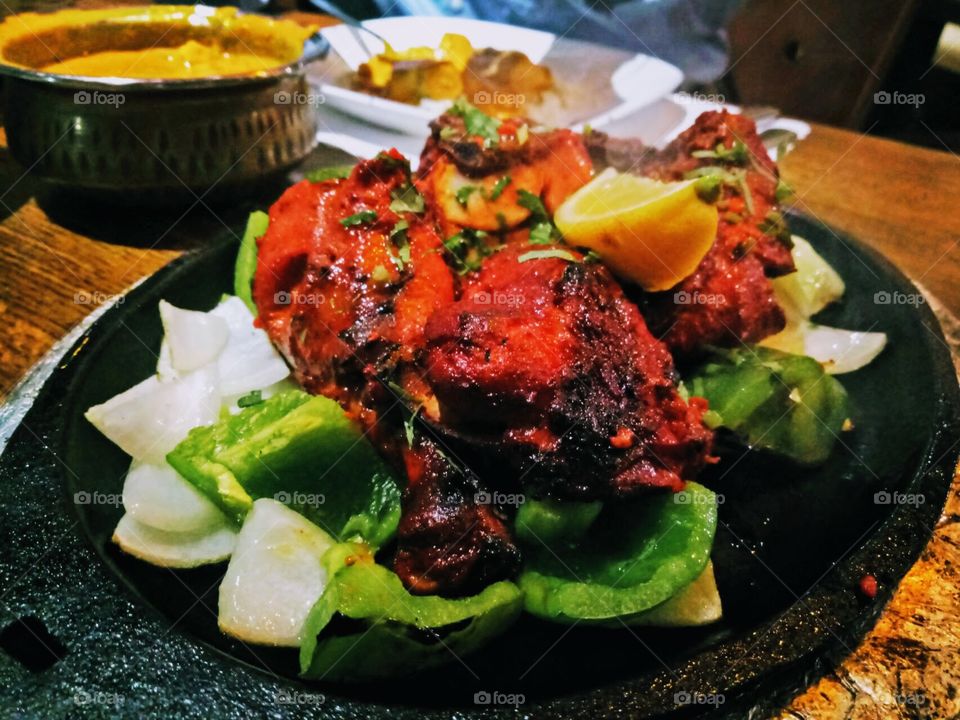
(149, 135)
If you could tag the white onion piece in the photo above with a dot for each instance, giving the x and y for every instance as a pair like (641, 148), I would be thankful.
(249, 360)
(812, 287)
(158, 496)
(195, 338)
(842, 351)
(148, 420)
(275, 576)
(839, 351)
(165, 369)
(174, 550)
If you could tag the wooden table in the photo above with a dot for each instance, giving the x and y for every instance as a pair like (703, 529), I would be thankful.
(59, 259)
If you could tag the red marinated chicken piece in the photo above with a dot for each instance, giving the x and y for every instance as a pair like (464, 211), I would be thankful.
(551, 164)
(729, 299)
(344, 286)
(544, 368)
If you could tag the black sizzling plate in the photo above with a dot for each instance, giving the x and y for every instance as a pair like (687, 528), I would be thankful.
(135, 640)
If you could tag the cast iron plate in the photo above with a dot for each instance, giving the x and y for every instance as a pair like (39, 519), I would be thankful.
(792, 545)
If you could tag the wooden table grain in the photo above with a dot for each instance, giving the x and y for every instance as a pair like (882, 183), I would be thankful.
(60, 258)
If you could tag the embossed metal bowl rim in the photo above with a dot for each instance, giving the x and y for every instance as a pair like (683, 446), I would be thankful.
(315, 47)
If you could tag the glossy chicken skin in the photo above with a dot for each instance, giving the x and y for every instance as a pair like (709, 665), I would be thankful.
(347, 302)
(535, 370)
(545, 370)
(729, 299)
(551, 165)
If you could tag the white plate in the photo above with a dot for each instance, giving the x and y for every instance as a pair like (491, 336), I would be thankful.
(638, 82)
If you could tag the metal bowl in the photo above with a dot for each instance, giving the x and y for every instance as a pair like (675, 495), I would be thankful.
(144, 136)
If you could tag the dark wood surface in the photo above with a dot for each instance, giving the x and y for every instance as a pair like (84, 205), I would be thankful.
(59, 258)
(816, 59)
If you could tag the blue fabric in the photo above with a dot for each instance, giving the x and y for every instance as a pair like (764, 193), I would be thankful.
(688, 33)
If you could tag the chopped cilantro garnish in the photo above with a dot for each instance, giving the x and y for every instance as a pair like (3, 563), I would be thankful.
(360, 218)
(464, 192)
(398, 236)
(392, 161)
(408, 424)
(707, 187)
(335, 172)
(531, 202)
(399, 227)
(542, 254)
(775, 225)
(468, 249)
(476, 121)
(784, 191)
(252, 398)
(498, 187)
(737, 153)
(448, 132)
(406, 199)
(541, 234)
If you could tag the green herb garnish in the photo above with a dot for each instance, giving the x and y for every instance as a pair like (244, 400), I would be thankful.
(541, 234)
(468, 249)
(254, 397)
(534, 204)
(737, 153)
(784, 191)
(476, 121)
(498, 187)
(463, 193)
(361, 218)
(708, 187)
(406, 199)
(334, 172)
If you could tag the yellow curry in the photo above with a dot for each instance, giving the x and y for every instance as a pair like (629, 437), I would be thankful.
(155, 42)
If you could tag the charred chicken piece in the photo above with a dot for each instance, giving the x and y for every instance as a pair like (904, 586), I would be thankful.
(545, 368)
(347, 277)
(475, 184)
(450, 534)
(729, 297)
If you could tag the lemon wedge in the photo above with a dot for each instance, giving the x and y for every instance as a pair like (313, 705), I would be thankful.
(652, 233)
